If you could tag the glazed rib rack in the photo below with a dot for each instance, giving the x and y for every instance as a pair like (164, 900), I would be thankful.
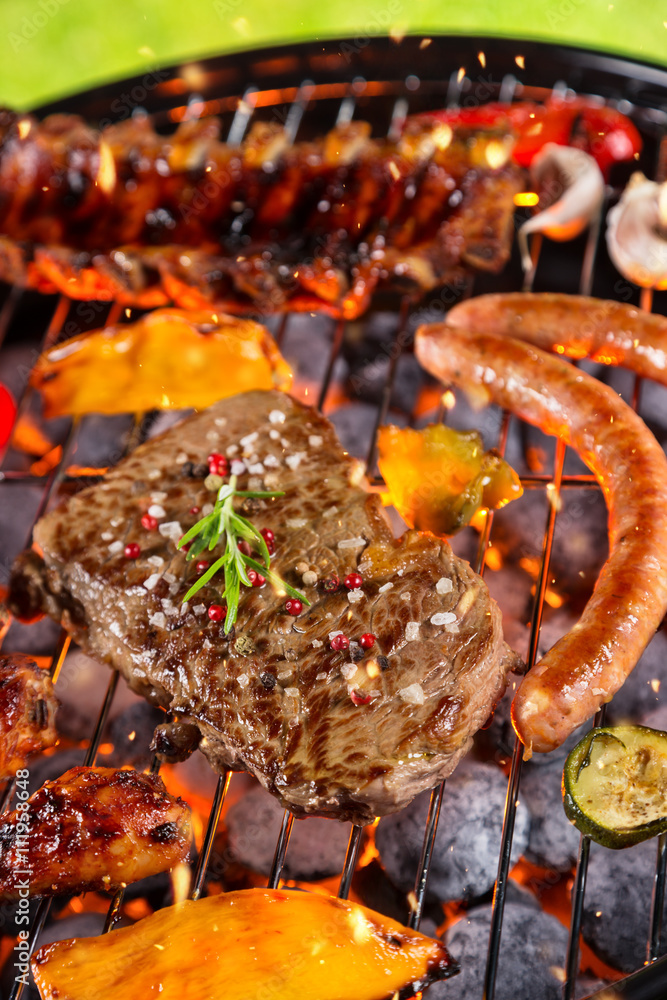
(309, 88)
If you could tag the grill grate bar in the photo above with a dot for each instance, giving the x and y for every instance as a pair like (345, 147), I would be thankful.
(399, 343)
(657, 897)
(281, 849)
(578, 891)
(8, 309)
(336, 344)
(214, 815)
(351, 859)
(590, 253)
(515, 772)
(418, 898)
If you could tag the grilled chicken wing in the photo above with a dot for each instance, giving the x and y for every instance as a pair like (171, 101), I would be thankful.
(27, 711)
(92, 828)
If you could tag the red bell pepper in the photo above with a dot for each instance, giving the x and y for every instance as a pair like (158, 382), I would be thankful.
(7, 415)
(609, 136)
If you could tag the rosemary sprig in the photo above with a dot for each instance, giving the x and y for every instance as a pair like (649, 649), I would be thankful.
(225, 524)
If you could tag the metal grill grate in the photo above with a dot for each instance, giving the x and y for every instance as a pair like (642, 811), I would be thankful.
(284, 87)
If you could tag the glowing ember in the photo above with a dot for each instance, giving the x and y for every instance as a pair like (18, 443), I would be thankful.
(526, 199)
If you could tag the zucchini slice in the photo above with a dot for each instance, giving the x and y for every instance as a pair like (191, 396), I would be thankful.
(615, 785)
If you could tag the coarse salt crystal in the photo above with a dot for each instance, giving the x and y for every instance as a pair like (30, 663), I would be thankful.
(171, 529)
(255, 483)
(294, 461)
(237, 467)
(158, 619)
(243, 680)
(220, 421)
(315, 441)
(296, 522)
(356, 595)
(330, 511)
(454, 629)
(443, 618)
(317, 643)
(212, 436)
(271, 462)
(385, 587)
(155, 510)
(116, 522)
(185, 607)
(207, 644)
(154, 474)
(406, 595)
(348, 670)
(284, 675)
(106, 536)
(274, 435)
(181, 457)
(351, 543)
(444, 585)
(169, 577)
(413, 694)
(199, 609)
(116, 547)
(232, 450)
(322, 675)
(276, 417)
(152, 580)
(207, 508)
(412, 631)
(332, 635)
(249, 439)
(285, 442)
(156, 561)
(292, 692)
(159, 496)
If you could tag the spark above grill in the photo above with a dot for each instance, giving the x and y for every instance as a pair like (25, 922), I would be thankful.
(309, 88)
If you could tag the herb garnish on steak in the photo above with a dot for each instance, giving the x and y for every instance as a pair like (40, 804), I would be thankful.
(347, 731)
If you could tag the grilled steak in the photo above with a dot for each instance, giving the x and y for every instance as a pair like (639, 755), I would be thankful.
(348, 733)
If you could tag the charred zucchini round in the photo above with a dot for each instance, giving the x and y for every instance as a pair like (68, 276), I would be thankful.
(615, 785)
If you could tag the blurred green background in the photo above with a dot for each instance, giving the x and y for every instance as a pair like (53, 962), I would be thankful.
(50, 48)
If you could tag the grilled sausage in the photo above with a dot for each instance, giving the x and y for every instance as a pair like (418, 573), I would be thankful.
(590, 663)
(574, 325)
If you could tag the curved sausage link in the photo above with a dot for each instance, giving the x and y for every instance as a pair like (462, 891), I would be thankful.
(589, 664)
(574, 325)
